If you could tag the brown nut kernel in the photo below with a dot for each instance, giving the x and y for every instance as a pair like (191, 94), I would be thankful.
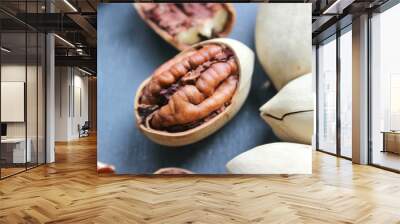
(191, 91)
(195, 93)
(184, 24)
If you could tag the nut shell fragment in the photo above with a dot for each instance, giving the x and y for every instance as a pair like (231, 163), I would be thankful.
(173, 171)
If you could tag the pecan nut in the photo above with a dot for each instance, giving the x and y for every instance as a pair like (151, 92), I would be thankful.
(195, 93)
(192, 90)
(184, 24)
(283, 49)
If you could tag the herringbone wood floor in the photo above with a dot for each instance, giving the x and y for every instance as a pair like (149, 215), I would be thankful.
(70, 191)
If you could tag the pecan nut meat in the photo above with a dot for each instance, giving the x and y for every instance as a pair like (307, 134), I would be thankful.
(203, 85)
(192, 89)
(184, 24)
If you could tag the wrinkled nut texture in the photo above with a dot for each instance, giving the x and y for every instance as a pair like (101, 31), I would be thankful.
(189, 90)
(188, 23)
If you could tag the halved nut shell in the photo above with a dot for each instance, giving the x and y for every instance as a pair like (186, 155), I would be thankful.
(195, 93)
(185, 24)
(173, 171)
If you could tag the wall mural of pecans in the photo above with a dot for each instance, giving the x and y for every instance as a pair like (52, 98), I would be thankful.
(198, 91)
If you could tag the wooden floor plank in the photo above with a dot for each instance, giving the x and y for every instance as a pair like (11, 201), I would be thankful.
(70, 191)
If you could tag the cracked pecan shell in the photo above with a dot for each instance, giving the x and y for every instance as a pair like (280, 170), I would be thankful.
(185, 24)
(195, 93)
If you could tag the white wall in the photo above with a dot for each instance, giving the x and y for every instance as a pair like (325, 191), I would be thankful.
(80, 110)
(62, 82)
(71, 93)
(16, 72)
(12, 73)
(33, 127)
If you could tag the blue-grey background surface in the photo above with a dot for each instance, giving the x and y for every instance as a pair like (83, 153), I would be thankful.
(128, 52)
